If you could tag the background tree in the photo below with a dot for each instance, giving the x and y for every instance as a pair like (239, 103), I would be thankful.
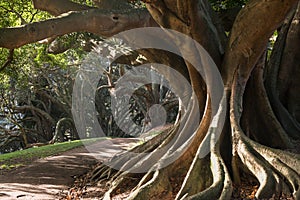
(34, 99)
(259, 133)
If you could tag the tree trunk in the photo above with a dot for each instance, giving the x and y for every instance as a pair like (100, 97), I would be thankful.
(257, 135)
(260, 98)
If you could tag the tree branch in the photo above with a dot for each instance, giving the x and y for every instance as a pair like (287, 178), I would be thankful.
(58, 7)
(34, 109)
(96, 21)
(9, 60)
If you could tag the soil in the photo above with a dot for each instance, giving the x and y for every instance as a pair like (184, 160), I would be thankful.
(48, 178)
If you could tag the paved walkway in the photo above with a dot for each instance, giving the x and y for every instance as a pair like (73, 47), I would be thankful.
(47, 177)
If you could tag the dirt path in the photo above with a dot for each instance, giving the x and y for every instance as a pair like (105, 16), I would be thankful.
(46, 178)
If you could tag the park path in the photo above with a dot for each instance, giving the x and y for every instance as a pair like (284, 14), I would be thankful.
(46, 178)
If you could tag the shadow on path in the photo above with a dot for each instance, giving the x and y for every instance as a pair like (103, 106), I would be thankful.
(45, 178)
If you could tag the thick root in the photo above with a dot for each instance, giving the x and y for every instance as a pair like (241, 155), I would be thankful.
(286, 164)
(274, 176)
(158, 187)
(267, 165)
(221, 187)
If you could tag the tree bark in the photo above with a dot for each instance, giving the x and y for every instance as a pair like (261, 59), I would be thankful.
(58, 7)
(258, 120)
(101, 22)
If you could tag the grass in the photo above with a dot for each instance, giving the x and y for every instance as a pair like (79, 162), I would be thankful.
(23, 157)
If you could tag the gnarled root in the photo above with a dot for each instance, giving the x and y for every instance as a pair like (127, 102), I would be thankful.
(274, 170)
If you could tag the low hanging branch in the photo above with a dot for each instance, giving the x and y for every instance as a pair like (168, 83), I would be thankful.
(34, 109)
(101, 22)
(58, 7)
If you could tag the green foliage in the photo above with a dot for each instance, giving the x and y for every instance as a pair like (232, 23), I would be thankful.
(271, 44)
(227, 4)
(85, 2)
(4, 79)
(17, 12)
(33, 69)
(3, 55)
